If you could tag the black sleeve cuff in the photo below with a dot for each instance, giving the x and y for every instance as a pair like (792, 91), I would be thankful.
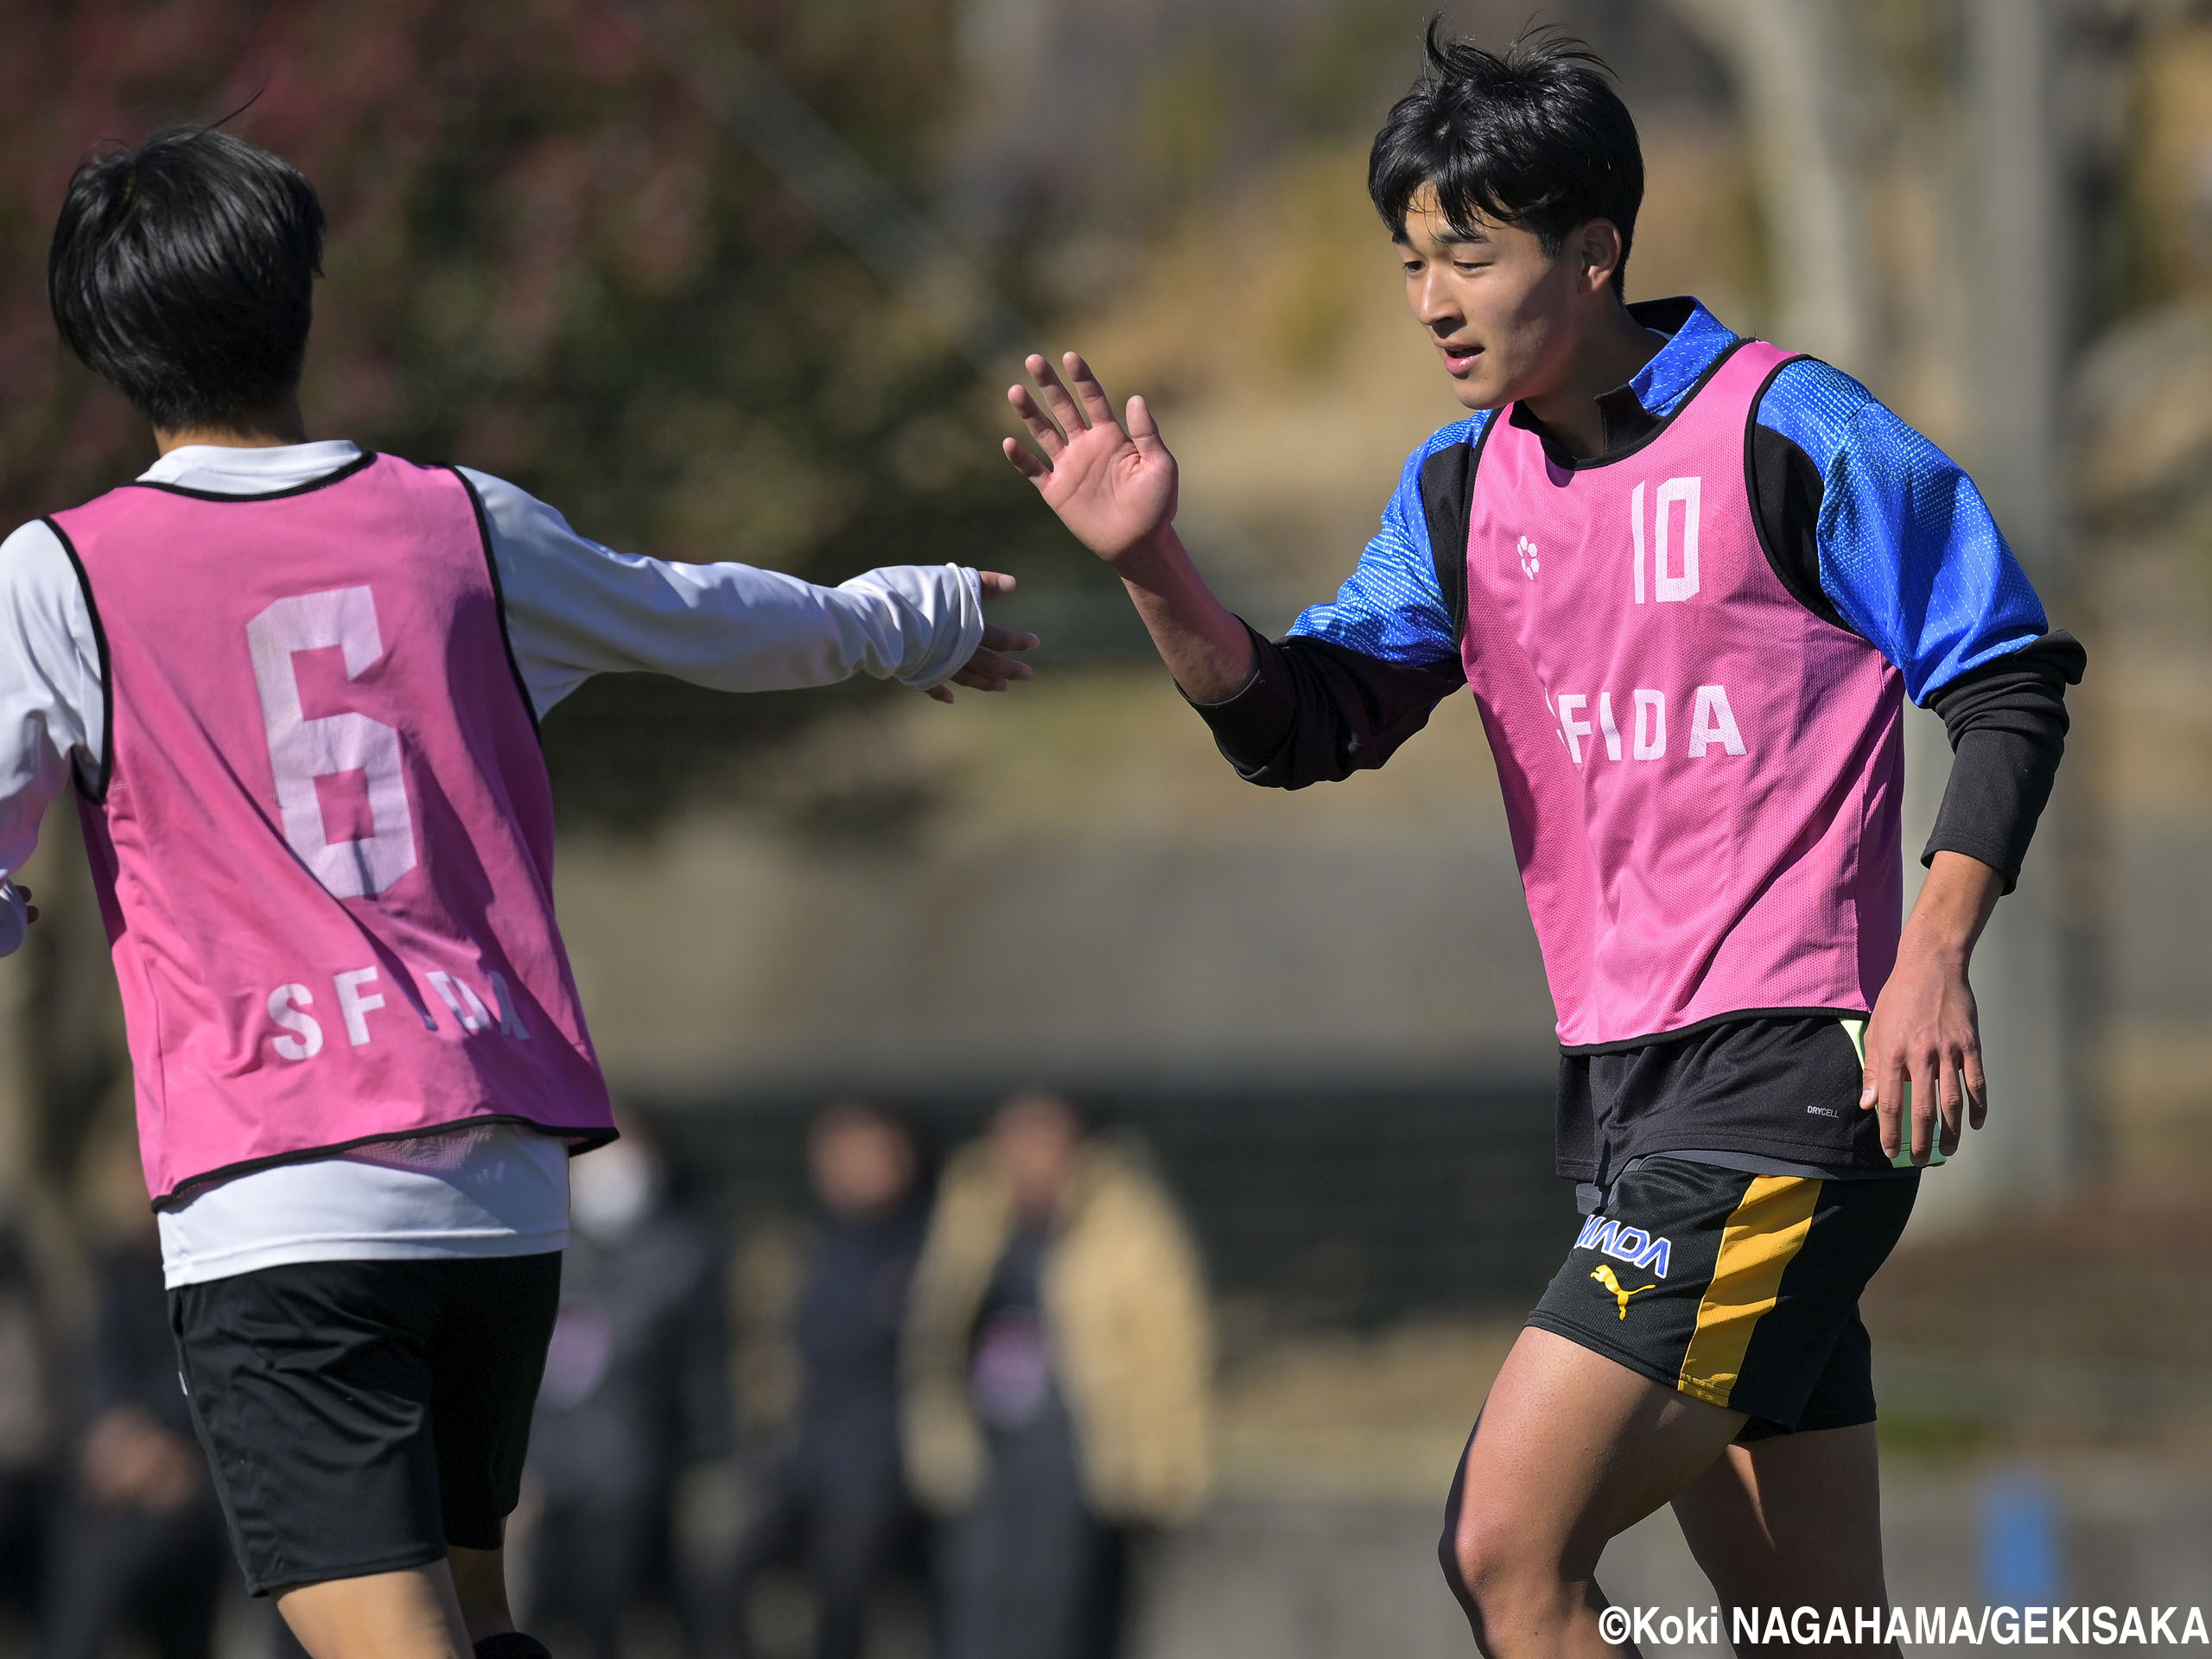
(1314, 712)
(1998, 785)
(1251, 727)
(2008, 724)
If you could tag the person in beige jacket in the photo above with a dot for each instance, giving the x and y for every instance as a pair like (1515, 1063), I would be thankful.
(1056, 1374)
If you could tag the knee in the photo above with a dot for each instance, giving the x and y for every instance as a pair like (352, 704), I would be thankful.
(1494, 1567)
(1447, 1557)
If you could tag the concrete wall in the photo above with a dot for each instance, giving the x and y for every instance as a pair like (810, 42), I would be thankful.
(1094, 890)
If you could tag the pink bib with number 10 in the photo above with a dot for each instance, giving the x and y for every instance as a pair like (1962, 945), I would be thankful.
(323, 836)
(1702, 776)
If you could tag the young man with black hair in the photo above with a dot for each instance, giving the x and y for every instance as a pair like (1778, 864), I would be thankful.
(296, 686)
(1689, 579)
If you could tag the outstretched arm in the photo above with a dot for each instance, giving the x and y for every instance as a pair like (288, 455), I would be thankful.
(574, 609)
(1115, 487)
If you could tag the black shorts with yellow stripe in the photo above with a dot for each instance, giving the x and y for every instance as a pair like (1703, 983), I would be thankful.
(1737, 1289)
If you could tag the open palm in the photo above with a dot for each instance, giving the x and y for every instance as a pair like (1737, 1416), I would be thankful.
(1114, 488)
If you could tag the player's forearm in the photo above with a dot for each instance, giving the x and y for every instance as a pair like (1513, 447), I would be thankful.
(1953, 907)
(1205, 646)
(574, 609)
(730, 627)
(727, 628)
(923, 621)
(2007, 723)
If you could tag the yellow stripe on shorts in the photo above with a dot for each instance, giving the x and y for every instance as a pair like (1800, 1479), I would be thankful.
(1761, 1239)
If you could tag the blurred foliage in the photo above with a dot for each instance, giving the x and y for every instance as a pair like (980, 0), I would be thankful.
(547, 259)
(2168, 245)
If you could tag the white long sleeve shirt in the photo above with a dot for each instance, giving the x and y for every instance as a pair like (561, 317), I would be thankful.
(574, 609)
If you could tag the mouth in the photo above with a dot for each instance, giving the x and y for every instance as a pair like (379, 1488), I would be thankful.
(1458, 356)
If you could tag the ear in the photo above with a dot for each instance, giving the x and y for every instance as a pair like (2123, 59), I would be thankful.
(1597, 244)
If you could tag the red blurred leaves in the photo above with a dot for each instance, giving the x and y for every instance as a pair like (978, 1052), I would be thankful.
(530, 217)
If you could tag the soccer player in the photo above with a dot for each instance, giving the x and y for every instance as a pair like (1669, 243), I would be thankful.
(1689, 579)
(296, 686)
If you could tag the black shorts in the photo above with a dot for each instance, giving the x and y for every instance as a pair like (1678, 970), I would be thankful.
(1783, 1087)
(361, 1416)
(1739, 1290)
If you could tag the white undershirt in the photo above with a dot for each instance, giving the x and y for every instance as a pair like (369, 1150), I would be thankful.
(574, 608)
(493, 1190)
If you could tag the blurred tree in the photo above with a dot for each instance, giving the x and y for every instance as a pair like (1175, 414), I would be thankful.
(1804, 86)
(549, 259)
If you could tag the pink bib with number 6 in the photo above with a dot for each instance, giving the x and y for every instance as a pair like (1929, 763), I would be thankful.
(321, 831)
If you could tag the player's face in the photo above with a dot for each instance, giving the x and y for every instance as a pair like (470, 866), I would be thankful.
(1502, 314)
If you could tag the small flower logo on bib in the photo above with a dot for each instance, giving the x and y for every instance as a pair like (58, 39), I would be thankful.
(1528, 551)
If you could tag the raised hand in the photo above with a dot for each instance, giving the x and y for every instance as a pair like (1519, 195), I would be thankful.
(1114, 488)
(990, 669)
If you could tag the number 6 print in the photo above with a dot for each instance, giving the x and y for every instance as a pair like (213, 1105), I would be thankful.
(302, 750)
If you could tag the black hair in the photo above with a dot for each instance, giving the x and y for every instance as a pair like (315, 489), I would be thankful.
(183, 270)
(1533, 135)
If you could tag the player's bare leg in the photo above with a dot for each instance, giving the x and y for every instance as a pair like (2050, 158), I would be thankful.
(1571, 1448)
(412, 1614)
(1791, 1521)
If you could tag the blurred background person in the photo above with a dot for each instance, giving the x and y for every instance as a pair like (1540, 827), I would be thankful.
(26, 1422)
(1057, 1368)
(137, 1544)
(834, 1503)
(636, 1392)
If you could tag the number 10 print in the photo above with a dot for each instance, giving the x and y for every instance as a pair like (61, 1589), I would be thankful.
(1667, 585)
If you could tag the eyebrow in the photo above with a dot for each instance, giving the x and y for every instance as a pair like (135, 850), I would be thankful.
(1447, 238)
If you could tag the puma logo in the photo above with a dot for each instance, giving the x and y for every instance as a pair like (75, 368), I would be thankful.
(1604, 1275)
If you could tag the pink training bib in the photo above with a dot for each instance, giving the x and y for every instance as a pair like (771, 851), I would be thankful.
(324, 840)
(1701, 776)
